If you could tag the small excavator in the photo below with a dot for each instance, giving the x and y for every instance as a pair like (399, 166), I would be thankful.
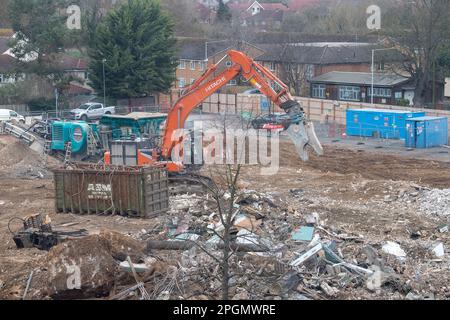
(301, 131)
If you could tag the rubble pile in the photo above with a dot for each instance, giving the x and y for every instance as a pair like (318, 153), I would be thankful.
(82, 268)
(302, 257)
(436, 202)
(19, 161)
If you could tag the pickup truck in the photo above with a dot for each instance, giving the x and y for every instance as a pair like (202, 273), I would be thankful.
(90, 111)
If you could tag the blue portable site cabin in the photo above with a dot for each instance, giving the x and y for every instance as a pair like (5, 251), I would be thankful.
(426, 132)
(383, 123)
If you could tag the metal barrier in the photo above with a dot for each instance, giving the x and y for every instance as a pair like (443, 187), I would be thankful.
(18, 132)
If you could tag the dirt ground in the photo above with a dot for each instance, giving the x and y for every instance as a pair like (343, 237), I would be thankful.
(357, 194)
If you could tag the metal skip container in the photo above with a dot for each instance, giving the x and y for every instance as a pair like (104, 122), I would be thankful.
(141, 192)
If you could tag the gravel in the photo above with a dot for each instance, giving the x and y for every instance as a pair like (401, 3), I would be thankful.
(436, 202)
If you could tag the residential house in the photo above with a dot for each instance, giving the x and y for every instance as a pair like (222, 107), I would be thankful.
(6, 64)
(298, 63)
(195, 56)
(297, 5)
(6, 67)
(357, 87)
(259, 14)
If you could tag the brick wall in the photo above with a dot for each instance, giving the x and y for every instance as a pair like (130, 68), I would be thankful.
(360, 67)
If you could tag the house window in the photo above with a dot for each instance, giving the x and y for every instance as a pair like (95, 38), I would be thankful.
(182, 64)
(381, 66)
(192, 65)
(232, 83)
(318, 91)
(349, 93)
(398, 95)
(380, 92)
(202, 65)
(273, 66)
(181, 82)
(192, 81)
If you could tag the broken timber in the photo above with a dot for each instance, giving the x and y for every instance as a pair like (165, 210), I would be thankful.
(186, 245)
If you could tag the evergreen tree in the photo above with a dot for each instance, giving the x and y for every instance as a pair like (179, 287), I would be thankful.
(223, 12)
(137, 44)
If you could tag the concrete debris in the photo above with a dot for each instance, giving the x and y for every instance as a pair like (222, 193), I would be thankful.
(394, 248)
(329, 291)
(187, 237)
(436, 202)
(138, 267)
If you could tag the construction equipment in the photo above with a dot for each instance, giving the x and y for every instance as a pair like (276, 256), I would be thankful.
(18, 132)
(75, 140)
(300, 131)
(37, 232)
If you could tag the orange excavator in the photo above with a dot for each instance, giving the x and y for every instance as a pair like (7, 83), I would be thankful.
(300, 131)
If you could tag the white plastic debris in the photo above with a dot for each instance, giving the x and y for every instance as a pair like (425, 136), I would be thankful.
(394, 249)
(439, 250)
(138, 267)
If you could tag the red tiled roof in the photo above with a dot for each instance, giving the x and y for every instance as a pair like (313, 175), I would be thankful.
(300, 4)
(67, 62)
(77, 90)
(274, 6)
(6, 62)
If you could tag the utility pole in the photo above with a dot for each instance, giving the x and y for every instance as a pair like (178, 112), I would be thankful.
(56, 101)
(104, 84)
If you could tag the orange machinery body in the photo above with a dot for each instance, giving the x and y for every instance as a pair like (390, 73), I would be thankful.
(249, 70)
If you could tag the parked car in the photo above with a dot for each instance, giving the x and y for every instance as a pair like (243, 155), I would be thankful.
(274, 121)
(90, 111)
(8, 115)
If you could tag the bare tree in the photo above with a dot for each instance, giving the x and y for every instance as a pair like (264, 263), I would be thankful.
(420, 29)
(185, 16)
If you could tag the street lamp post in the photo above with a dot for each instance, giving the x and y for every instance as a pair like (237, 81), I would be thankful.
(373, 70)
(104, 84)
(56, 101)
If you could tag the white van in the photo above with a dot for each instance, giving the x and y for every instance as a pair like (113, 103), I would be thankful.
(8, 115)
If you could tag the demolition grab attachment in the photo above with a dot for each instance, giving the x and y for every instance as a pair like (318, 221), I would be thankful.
(301, 131)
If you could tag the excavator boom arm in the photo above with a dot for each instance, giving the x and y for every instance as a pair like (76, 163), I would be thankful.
(260, 78)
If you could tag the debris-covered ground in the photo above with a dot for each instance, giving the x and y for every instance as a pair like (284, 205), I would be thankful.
(349, 225)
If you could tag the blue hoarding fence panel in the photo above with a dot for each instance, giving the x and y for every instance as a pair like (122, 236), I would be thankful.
(426, 132)
(383, 123)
